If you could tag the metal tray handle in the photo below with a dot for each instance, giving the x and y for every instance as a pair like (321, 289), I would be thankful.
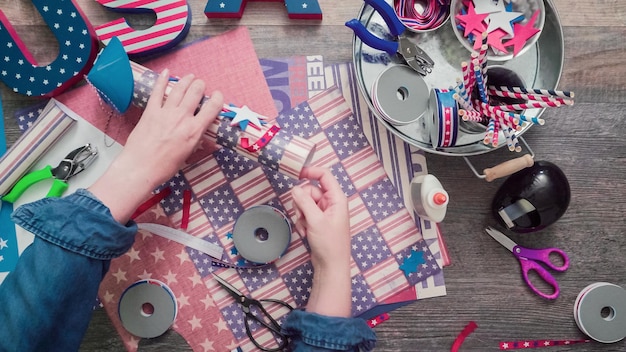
(506, 168)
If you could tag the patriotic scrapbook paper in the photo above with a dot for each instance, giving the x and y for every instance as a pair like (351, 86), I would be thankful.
(384, 235)
(402, 162)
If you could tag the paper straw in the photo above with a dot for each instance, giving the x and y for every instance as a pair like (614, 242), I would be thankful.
(471, 115)
(530, 105)
(496, 130)
(468, 81)
(494, 111)
(282, 152)
(33, 144)
(556, 93)
(480, 84)
(534, 97)
(508, 137)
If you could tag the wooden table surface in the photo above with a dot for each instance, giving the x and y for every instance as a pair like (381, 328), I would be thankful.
(483, 282)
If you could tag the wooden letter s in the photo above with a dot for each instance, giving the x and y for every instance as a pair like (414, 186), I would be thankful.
(78, 47)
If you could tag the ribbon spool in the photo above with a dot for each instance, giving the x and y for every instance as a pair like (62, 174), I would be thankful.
(444, 122)
(400, 95)
(147, 308)
(600, 312)
(262, 234)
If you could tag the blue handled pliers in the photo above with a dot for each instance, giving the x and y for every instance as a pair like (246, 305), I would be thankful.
(412, 54)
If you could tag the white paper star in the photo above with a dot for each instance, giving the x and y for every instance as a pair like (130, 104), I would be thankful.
(3, 243)
(245, 116)
(502, 20)
(488, 6)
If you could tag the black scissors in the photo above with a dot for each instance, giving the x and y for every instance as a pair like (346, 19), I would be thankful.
(412, 54)
(264, 318)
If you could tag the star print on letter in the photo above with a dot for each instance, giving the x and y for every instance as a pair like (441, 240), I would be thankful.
(410, 264)
(523, 32)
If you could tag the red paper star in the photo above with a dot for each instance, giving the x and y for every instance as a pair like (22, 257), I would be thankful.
(472, 21)
(494, 39)
(523, 33)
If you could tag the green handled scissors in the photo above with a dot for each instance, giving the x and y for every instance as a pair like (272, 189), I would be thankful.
(74, 163)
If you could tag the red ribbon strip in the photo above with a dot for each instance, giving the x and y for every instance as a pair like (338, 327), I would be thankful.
(154, 200)
(261, 142)
(469, 328)
(184, 222)
(523, 344)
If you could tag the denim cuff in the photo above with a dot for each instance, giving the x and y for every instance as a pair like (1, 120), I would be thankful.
(80, 223)
(335, 333)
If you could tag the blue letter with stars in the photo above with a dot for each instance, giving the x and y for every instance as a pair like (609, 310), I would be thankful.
(78, 46)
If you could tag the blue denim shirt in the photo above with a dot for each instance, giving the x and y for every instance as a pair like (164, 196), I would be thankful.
(46, 302)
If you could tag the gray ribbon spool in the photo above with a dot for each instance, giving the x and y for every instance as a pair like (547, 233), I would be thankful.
(147, 308)
(400, 95)
(262, 234)
(600, 312)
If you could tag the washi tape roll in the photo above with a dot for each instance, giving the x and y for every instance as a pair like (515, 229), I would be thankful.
(147, 308)
(400, 95)
(262, 234)
(600, 312)
(444, 122)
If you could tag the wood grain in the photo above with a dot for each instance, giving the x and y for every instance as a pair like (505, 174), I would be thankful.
(483, 282)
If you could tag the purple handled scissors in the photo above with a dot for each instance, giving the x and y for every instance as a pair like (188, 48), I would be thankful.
(529, 259)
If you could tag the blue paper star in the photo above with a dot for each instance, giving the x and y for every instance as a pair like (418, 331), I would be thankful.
(412, 262)
(229, 235)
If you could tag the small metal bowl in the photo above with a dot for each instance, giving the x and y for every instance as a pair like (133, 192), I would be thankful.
(419, 6)
(527, 7)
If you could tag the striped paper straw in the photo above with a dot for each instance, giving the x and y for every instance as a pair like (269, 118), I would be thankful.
(525, 96)
(493, 111)
(556, 93)
(496, 132)
(471, 115)
(525, 118)
(509, 138)
(33, 144)
(530, 105)
(289, 153)
(468, 80)
(480, 84)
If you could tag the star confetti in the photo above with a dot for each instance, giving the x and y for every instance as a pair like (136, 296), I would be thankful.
(412, 262)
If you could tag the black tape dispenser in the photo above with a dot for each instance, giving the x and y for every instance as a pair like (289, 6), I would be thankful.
(532, 198)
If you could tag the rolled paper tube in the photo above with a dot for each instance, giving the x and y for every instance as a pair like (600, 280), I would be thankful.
(482, 54)
(51, 125)
(549, 92)
(471, 115)
(269, 145)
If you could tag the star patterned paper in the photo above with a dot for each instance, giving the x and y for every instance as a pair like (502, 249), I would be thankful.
(225, 184)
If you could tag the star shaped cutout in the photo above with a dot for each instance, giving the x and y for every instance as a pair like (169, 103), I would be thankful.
(494, 40)
(523, 32)
(244, 117)
(488, 6)
(412, 262)
(471, 21)
(503, 20)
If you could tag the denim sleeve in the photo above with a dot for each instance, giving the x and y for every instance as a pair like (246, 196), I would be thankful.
(46, 303)
(314, 332)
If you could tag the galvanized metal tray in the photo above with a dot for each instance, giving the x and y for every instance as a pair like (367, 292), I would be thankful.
(539, 67)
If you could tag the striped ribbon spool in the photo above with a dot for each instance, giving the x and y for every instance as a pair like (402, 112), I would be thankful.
(422, 15)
